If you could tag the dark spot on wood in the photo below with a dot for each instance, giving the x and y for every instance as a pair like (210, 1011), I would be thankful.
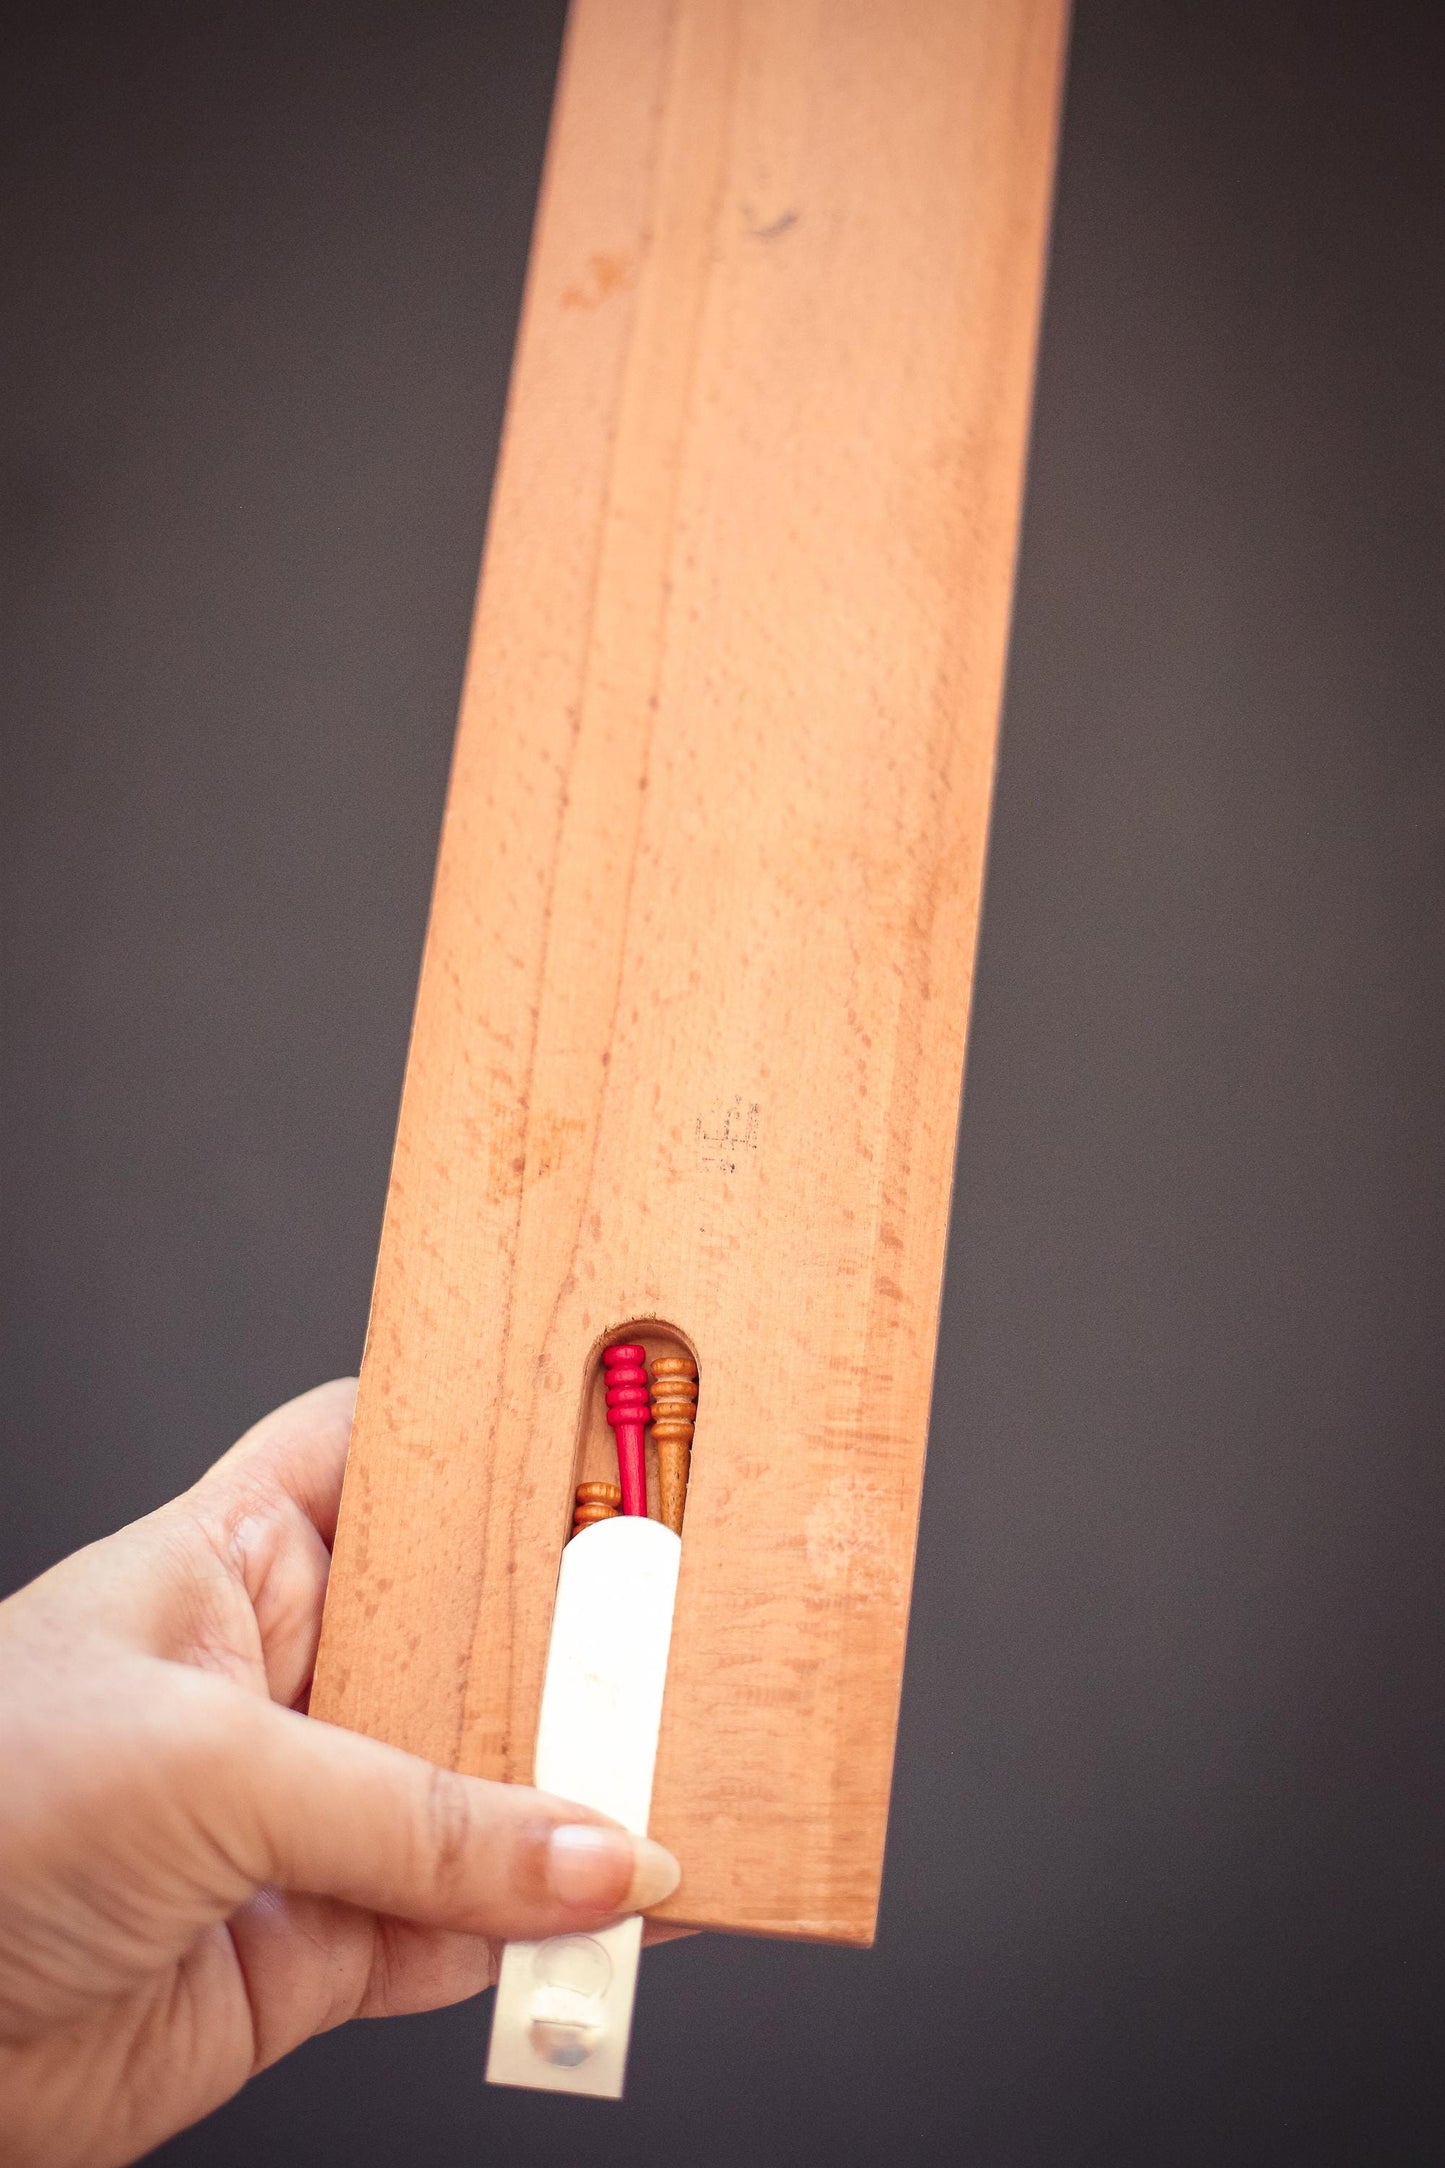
(774, 229)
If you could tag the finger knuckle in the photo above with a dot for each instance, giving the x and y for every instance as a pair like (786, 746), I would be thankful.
(447, 1820)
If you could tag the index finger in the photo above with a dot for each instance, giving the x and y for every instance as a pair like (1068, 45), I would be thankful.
(296, 1452)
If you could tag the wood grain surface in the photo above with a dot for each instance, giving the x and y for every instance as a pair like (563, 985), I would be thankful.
(689, 1039)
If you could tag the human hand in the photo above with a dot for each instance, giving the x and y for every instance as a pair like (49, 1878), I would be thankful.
(194, 1876)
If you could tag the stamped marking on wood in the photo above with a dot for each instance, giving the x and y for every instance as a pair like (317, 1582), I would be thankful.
(723, 1137)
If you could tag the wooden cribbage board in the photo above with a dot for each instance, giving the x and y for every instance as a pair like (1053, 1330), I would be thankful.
(689, 1039)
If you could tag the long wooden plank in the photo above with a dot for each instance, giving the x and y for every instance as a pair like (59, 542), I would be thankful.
(690, 1032)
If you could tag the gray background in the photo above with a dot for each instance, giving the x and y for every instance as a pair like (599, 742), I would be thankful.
(1163, 1879)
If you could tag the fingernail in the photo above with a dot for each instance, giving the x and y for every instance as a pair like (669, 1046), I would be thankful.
(606, 1870)
(655, 1875)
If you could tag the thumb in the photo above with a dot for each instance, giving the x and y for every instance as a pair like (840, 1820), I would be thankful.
(306, 1806)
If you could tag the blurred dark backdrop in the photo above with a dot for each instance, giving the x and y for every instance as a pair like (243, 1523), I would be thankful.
(1164, 1882)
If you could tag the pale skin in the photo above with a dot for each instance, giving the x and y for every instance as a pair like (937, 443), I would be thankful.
(195, 1876)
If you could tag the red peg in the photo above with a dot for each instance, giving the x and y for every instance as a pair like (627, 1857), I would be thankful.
(629, 1411)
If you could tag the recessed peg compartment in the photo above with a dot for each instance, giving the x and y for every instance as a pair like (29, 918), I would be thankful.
(638, 1420)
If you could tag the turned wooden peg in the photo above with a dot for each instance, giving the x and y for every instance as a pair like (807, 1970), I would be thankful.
(674, 1416)
(629, 1410)
(595, 1502)
(588, 1516)
(599, 1494)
